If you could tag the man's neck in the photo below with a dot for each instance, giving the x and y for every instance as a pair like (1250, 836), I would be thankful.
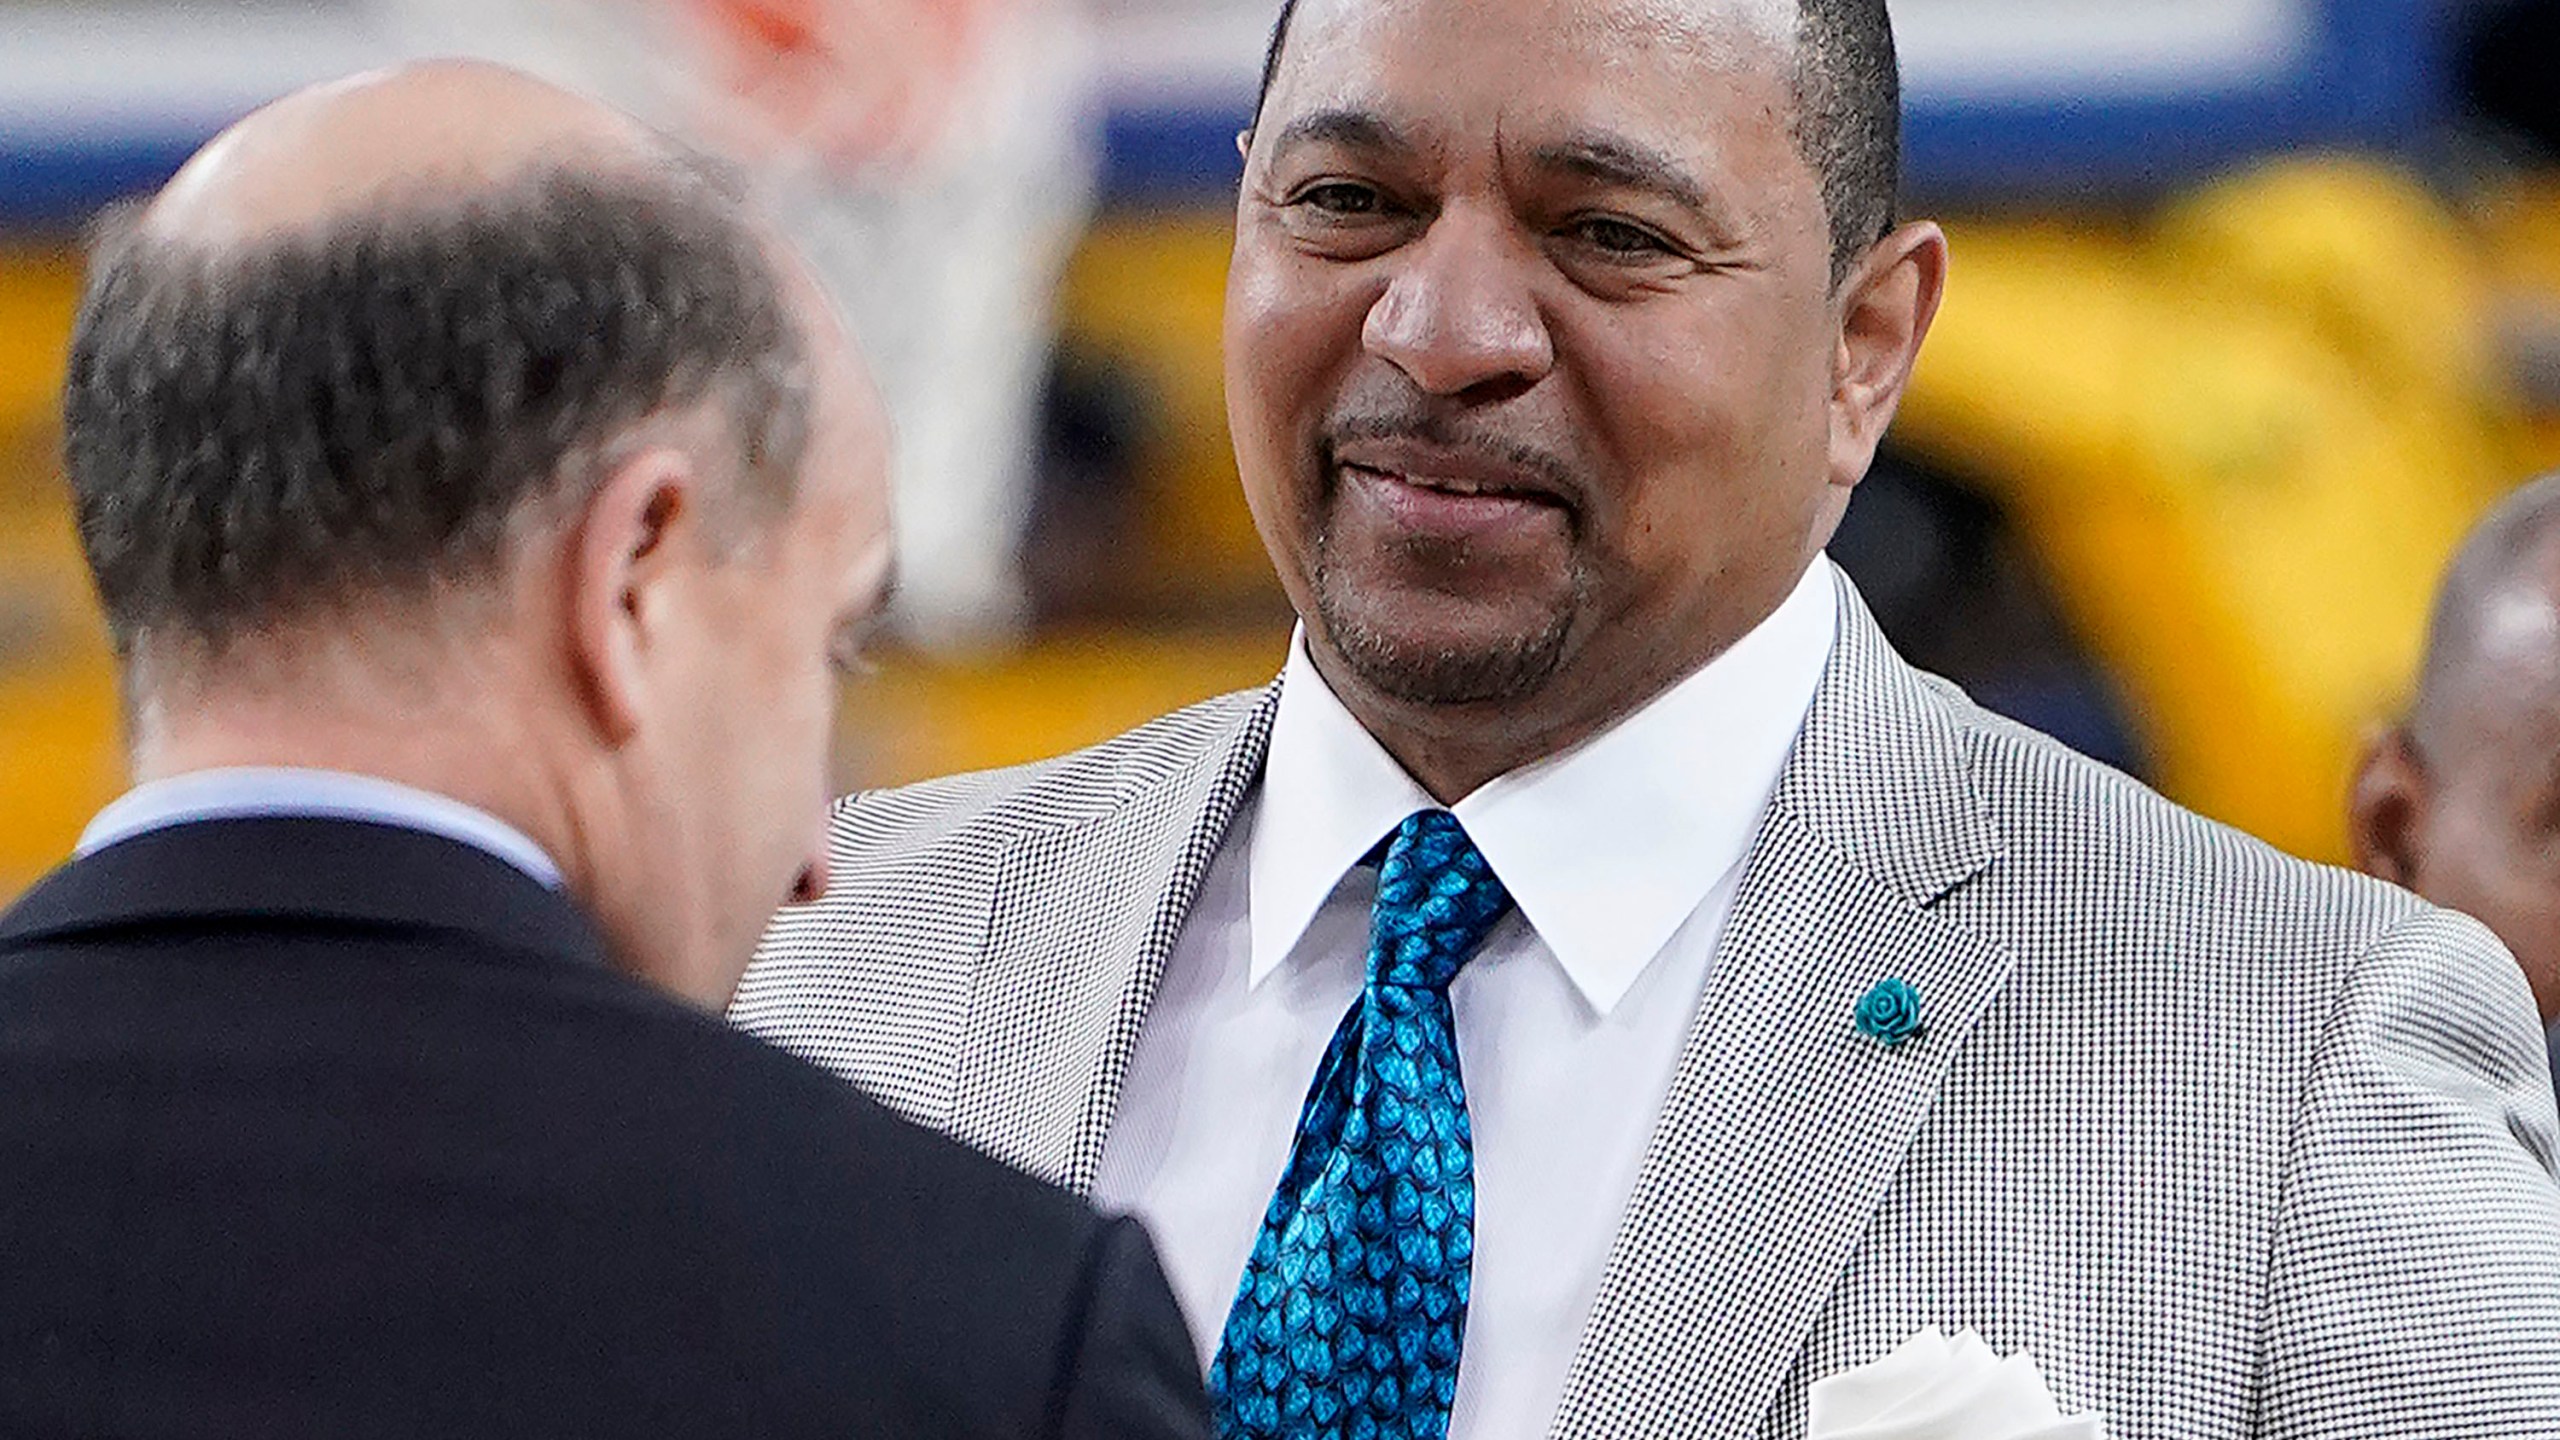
(473, 759)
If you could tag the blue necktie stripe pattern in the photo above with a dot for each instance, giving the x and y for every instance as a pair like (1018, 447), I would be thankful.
(1353, 1309)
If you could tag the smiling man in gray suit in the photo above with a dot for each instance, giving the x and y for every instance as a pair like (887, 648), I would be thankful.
(1600, 989)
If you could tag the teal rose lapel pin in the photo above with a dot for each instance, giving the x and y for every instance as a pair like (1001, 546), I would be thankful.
(1890, 1013)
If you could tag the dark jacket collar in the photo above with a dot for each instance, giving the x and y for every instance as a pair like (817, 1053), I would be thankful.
(337, 871)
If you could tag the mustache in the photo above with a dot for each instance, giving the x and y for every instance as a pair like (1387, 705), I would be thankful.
(1550, 470)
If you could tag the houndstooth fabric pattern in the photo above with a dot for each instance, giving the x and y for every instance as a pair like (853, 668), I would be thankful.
(2239, 1146)
(1353, 1309)
(929, 866)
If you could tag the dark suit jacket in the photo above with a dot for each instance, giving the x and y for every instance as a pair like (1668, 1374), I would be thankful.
(311, 1128)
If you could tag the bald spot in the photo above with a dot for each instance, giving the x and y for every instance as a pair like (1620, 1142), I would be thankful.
(2493, 644)
(413, 137)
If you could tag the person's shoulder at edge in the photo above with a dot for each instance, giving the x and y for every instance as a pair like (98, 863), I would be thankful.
(2059, 814)
(2339, 947)
(2369, 980)
(2413, 1130)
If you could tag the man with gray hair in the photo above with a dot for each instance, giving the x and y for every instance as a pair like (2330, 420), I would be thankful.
(481, 510)
(1601, 990)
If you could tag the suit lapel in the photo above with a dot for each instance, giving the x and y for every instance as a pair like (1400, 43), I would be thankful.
(1084, 919)
(1784, 1126)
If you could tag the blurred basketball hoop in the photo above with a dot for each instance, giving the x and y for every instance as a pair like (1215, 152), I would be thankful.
(934, 158)
(937, 159)
(851, 83)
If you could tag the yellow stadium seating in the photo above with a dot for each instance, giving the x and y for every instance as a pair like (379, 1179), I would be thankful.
(2243, 440)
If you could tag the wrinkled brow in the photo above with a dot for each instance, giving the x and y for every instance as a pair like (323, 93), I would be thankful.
(1607, 159)
(1614, 160)
(1351, 129)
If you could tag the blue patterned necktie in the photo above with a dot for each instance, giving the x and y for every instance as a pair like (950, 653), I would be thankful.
(1354, 1306)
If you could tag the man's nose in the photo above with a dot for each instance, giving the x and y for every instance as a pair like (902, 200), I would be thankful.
(1462, 313)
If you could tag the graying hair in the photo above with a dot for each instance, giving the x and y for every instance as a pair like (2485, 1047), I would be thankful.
(370, 409)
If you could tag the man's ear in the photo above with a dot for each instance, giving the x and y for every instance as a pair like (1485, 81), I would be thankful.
(626, 548)
(2385, 806)
(1886, 304)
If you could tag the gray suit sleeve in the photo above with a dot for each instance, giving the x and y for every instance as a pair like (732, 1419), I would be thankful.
(2414, 1283)
(1131, 1372)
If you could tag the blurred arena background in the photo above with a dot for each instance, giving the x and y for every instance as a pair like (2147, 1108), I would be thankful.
(2256, 305)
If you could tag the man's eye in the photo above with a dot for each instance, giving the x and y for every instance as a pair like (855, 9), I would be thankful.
(1618, 238)
(1340, 198)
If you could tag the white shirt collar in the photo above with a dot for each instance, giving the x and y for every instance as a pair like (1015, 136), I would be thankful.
(1607, 848)
(246, 793)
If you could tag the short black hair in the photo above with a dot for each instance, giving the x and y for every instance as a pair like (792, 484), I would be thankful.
(1848, 115)
(371, 408)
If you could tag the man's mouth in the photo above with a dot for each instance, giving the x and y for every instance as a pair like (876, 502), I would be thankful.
(1453, 484)
(1451, 474)
(1469, 510)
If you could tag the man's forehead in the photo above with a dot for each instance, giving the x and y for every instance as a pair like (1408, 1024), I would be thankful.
(1452, 68)
(1683, 98)
(1762, 23)
(1730, 29)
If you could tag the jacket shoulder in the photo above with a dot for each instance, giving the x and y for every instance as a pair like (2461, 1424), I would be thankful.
(2073, 826)
(874, 980)
(646, 1222)
(905, 1272)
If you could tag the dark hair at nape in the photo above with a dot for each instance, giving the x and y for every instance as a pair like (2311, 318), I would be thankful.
(365, 410)
(1848, 115)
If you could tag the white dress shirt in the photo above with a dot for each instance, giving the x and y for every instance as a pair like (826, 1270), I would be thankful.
(1623, 854)
(248, 793)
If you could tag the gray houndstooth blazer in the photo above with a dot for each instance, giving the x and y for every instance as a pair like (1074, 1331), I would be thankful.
(2237, 1145)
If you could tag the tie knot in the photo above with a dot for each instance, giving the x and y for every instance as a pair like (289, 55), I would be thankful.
(1437, 898)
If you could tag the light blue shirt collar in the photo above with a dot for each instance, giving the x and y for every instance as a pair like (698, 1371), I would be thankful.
(258, 794)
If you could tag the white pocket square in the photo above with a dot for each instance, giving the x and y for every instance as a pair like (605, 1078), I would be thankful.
(1941, 1388)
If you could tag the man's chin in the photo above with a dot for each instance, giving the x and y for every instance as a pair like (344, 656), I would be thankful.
(1437, 666)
